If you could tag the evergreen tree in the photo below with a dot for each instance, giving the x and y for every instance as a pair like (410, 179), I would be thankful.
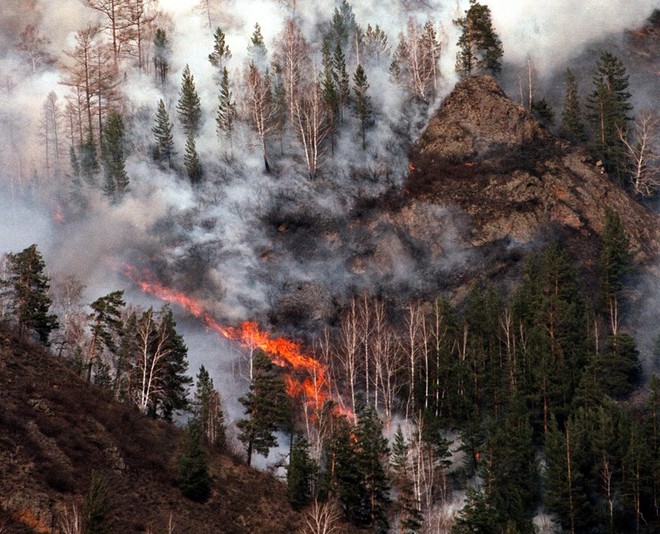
(620, 369)
(329, 93)
(572, 127)
(372, 452)
(173, 393)
(31, 300)
(191, 161)
(341, 79)
(162, 53)
(615, 263)
(188, 106)
(363, 109)
(208, 410)
(105, 325)
(480, 49)
(193, 476)
(257, 52)
(266, 404)
(97, 508)
(477, 516)
(114, 160)
(543, 112)
(226, 110)
(300, 474)
(162, 130)
(221, 54)
(89, 163)
(407, 505)
(75, 164)
(608, 108)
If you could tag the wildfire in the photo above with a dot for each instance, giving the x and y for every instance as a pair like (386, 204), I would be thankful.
(306, 378)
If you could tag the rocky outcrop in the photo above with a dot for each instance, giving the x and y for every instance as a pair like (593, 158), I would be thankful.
(486, 155)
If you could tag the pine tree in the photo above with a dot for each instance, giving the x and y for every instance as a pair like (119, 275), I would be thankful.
(477, 516)
(329, 93)
(257, 52)
(162, 53)
(114, 160)
(226, 110)
(97, 508)
(572, 127)
(31, 299)
(89, 163)
(342, 80)
(191, 161)
(221, 54)
(480, 49)
(615, 264)
(162, 130)
(208, 410)
(267, 406)
(193, 476)
(609, 107)
(188, 106)
(363, 109)
(105, 325)
(173, 393)
(300, 474)
(407, 505)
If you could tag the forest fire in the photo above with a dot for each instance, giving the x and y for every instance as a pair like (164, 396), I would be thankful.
(306, 377)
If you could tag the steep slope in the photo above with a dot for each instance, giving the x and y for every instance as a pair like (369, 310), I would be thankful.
(486, 155)
(55, 429)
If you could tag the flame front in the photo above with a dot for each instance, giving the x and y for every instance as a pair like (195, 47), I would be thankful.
(307, 377)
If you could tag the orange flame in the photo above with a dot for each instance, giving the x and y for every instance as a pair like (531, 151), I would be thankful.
(307, 378)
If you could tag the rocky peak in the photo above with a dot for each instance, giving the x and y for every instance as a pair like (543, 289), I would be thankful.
(488, 156)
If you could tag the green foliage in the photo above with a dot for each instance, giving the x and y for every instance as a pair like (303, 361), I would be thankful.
(193, 476)
(97, 508)
(300, 474)
(162, 53)
(363, 108)
(31, 299)
(267, 405)
(89, 163)
(188, 106)
(207, 408)
(226, 109)
(619, 368)
(114, 159)
(572, 127)
(615, 256)
(164, 140)
(608, 108)
(477, 516)
(191, 161)
(543, 112)
(257, 51)
(480, 49)
(341, 79)
(221, 53)
(105, 325)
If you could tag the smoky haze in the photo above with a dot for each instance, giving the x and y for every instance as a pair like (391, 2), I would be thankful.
(248, 243)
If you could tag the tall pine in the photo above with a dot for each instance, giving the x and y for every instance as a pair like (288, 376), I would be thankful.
(479, 47)
(188, 106)
(164, 141)
(114, 158)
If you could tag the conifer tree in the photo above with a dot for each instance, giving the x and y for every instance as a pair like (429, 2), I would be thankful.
(300, 474)
(114, 159)
(188, 106)
(162, 130)
(31, 299)
(226, 110)
(572, 127)
(615, 264)
(329, 93)
(97, 508)
(89, 163)
(105, 325)
(221, 54)
(162, 53)
(608, 108)
(480, 49)
(191, 161)
(208, 410)
(342, 80)
(193, 476)
(363, 108)
(267, 406)
(257, 51)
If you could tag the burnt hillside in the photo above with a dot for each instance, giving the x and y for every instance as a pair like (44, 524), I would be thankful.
(55, 429)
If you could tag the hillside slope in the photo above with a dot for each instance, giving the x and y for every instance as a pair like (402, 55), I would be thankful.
(55, 429)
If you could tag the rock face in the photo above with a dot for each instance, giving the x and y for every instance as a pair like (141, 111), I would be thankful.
(486, 155)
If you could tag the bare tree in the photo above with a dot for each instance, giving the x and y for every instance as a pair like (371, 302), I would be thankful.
(413, 345)
(137, 29)
(349, 348)
(51, 134)
(115, 12)
(312, 126)
(259, 107)
(641, 142)
(292, 55)
(33, 45)
(321, 518)
(71, 520)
